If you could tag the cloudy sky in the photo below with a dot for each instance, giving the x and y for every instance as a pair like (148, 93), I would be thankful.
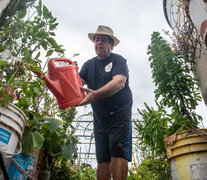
(133, 23)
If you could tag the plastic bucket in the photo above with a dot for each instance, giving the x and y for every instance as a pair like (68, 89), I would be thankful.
(188, 156)
(12, 124)
(27, 162)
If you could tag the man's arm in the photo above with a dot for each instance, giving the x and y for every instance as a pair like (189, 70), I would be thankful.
(111, 88)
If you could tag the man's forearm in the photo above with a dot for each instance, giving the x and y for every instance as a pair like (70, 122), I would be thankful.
(111, 88)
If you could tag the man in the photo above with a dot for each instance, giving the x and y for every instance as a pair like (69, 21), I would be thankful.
(107, 78)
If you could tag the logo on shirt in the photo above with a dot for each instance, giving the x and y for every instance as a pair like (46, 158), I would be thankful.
(108, 67)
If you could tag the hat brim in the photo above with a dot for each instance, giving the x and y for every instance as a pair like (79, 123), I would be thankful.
(92, 35)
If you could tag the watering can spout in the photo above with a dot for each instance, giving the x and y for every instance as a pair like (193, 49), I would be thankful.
(39, 74)
(54, 86)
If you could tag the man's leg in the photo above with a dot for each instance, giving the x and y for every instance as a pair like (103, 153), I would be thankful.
(103, 155)
(103, 171)
(119, 168)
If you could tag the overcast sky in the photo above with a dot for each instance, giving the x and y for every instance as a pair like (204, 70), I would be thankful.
(133, 22)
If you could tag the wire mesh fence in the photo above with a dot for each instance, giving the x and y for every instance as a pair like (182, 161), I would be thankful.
(86, 146)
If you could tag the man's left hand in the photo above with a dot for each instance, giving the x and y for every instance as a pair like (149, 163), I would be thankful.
(90, 96)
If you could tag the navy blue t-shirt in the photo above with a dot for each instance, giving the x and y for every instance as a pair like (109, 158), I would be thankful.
(96, 73)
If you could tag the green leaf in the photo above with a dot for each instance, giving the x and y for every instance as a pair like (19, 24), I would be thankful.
(37, 140)
(53, 124)
(53, 26)
(3, 63)
(37, 56)
(44, 45)
(36, 90)
(2, 48)
(52, 20)
(52, 42)
(172, 83)
(46, 13)
(22, 13)
(68, 150)
(52, 34)
(49, 53)
(31, 140)
(40, 3)
(39, 8)
(34, 68)
(26, 51)
(41, 34)
(40, 25)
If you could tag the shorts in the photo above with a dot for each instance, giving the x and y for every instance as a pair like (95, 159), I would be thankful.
(115, 141)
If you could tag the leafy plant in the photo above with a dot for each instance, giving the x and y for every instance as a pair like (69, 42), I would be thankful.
(177, 95)
(176, 87)
(74, 172)
(59, 143)
(152, 129)
(27, 36)
(22, 41)
(150, 169)
(151, 132)
(13, 7)
(24, 36)
(83, 172)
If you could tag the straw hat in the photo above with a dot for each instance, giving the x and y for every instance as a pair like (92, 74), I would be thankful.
(104, 30)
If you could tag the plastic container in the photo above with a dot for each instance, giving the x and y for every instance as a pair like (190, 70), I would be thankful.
(12, 124)
(188, 156)
(27, 162)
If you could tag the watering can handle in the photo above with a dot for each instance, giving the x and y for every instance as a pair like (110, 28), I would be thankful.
(53, 60)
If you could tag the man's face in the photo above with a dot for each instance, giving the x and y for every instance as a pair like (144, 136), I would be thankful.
(102, 46)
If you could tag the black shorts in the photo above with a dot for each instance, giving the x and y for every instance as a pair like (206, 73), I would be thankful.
(114, 141)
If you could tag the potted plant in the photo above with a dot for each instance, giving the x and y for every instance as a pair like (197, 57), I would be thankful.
(177, 95)
(59, 144)
(26, 38)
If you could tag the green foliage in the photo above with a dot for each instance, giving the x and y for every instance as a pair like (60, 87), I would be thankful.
(152, 128)
(59, 144)
(31, 139)
(175, 85)
(27, 36)
(83, 173)
(13, 7)
(177, 95)
(151, 132)
(156, 169)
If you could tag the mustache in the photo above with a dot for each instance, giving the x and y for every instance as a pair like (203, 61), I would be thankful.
(99, 46)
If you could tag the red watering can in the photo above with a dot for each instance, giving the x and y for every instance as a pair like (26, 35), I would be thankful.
(64, 82)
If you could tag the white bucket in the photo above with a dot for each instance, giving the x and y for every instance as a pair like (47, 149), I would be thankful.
(12, 124)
